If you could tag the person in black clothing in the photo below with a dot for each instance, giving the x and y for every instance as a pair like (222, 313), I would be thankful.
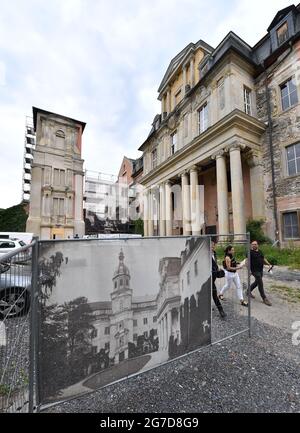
(216, 273)
(257, 262)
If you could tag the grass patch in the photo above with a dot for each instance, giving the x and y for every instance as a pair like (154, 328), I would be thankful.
(290, 294)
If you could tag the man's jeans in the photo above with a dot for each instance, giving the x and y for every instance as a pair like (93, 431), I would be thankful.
(258, 282)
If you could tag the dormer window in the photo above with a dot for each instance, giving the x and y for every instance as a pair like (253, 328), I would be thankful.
(282, 33)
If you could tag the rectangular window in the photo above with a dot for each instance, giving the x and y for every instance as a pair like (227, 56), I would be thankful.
(154, 319)
(107, 330)
(203, 118)
(58, 206)
(247, 100)
(134, 322)
(58, 177)
(289, 96)
(188, 278)
(94, 350)
(290, 225)
(107, 346)
(154, 158)
(293, 159)
(282, 33)
(135, 337)
(177, 97)
(196, 268)
(145, 321)
(146, 334)
(173, 142)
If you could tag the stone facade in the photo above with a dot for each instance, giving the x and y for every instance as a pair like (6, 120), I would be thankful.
(216, 134)
(56, 199)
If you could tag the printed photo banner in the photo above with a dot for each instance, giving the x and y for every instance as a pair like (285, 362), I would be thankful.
(113, 308)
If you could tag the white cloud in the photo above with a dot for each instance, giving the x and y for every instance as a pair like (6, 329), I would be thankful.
(101, 62)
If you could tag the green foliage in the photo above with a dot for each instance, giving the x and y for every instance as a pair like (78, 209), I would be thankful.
(139, 227)
(13, 219)
(4, 389)
(255, 228)
(279, 257)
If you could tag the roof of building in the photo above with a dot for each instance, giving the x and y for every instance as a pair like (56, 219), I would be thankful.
(36, 110)
(179, 58)
(281, 14)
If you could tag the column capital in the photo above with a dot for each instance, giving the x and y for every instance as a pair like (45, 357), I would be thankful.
(194, 168)
(220, 153)
(184, 173)
(235, 145)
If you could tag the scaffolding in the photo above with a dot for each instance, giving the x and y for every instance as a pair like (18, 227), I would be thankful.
(29, 146)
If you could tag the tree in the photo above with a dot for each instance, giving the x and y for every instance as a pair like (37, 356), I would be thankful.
(80, 320)
(53, 350)
(13, 219)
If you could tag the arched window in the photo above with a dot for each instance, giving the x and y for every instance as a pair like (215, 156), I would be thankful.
(60, 139)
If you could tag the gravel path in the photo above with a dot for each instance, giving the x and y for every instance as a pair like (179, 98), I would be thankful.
(260, 374)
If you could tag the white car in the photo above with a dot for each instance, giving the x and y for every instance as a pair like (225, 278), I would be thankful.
(9, 245)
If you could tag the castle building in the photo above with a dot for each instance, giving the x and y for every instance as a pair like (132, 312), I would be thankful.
(175, 315)
(56, 192)
(230, 122)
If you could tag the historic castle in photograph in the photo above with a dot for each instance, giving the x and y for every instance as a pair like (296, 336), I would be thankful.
(174, 319)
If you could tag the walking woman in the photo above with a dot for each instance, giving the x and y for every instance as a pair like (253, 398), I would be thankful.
(231, 276)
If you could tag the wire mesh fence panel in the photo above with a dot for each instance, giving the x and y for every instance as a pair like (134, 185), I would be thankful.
(15, 286)
(231, 302)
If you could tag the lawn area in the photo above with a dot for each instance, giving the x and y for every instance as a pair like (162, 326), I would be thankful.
(125, 368)
(280, 257)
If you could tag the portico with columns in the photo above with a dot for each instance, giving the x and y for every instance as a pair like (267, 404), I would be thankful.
(228, 170)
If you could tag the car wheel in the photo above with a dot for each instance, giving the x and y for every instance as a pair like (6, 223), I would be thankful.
(14, 302)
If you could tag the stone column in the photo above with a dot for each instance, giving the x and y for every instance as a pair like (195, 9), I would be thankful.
(168, 201)
(79, 227)
(33, 223)
(146, 213)
(195, 201)
(169, 325)
(150, 213)
(186, 204)
(162, 211)
(237, 188)
(166, 332)
(222, 193)
(257, 187)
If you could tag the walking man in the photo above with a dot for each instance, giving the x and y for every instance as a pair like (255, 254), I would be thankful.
(216, 272)
(257, 262)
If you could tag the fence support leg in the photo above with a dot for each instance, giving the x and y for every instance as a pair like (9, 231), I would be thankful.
(248, 283)
(33, 327)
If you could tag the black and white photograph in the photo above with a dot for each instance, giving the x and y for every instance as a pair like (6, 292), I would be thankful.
(114, 308)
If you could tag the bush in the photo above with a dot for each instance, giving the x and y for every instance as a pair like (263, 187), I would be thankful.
(139, 227)
(254, 227)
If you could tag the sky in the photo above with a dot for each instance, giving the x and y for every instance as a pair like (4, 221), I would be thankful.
(101, 62)
(95, 262)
